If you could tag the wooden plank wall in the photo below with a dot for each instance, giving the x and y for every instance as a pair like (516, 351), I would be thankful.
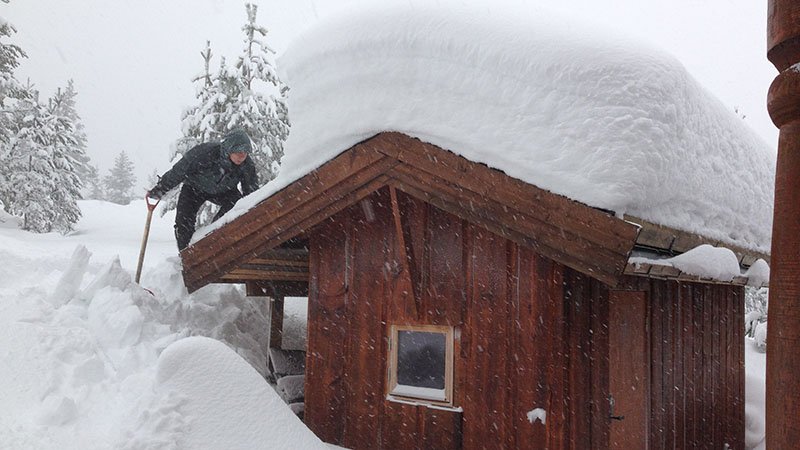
(697, 364)
(532, 334)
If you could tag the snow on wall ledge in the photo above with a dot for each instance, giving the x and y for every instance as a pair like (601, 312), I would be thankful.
(561, 105)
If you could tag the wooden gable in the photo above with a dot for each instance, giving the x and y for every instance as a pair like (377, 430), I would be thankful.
(249, 248)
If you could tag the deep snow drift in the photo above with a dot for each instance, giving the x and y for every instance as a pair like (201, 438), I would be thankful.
(569, 108)
(90, 360)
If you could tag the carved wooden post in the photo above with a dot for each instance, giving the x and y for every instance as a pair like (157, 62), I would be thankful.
(783, 102)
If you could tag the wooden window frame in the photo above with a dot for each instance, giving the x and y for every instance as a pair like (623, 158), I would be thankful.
(392, 384)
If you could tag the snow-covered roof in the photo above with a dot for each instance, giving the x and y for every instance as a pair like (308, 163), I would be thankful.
(563, 106)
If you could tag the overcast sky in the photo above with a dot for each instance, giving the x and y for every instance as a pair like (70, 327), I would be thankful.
(133, 61)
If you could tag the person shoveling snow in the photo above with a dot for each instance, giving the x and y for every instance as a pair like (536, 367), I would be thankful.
(210, 172)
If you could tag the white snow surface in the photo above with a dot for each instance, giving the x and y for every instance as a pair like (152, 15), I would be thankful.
(84, 364)
(229, 403)
(755, 393)
(537, 414)
(758, 273)
(562, 105)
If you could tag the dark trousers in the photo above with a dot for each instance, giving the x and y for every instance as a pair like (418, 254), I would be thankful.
(189, 203)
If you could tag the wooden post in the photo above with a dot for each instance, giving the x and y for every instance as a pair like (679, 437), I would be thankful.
(276, 323)
(783, 102)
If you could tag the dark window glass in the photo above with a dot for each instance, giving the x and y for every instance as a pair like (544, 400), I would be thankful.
(421, 359)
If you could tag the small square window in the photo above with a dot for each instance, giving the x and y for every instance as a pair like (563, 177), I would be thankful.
(421, 362)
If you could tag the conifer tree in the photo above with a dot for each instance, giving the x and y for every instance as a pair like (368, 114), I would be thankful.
(264, 116)
(93, 187)
(120, 180)
(11, 93)
(238, 97)
(28, 166)
(10, 88)
(66, 147)
(38, 148)
(63, 104)
(45, 186)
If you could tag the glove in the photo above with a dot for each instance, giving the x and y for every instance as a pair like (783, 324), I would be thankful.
(156, 192)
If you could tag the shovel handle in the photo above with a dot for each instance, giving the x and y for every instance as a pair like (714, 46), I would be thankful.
(150, 207)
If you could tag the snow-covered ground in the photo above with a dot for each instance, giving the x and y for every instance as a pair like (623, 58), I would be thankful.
(91, 360)
(755, 384)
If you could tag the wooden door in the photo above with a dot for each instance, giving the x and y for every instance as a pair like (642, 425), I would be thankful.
(628, 370)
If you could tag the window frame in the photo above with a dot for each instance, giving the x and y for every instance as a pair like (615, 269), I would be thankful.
(392, 384)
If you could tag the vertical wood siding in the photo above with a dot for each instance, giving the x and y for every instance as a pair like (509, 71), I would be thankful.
(697, 364)
(531, 333)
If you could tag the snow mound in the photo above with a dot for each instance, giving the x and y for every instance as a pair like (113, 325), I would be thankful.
(707, 261)
(758, 273)
(96, 340)
(558, 104)
(715, 263)
(227, 403)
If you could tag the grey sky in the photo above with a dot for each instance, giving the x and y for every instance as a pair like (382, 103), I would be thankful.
(132, 61)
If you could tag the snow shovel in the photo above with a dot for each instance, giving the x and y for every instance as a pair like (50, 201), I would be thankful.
(150, 207)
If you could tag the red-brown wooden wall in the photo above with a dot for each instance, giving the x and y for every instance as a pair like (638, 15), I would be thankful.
(533, 334)
(696, 345)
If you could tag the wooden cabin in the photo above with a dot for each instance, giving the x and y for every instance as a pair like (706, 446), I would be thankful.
(452, 306)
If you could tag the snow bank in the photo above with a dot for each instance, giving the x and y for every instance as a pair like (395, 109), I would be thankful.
(558, 104)
(226, 402)
(102, 342)
(81, 343)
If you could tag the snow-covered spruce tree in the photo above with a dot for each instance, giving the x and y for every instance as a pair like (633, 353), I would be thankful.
(63, 104)
(263, 114)
(11, 92)
(67, 148)
(120, 180)
(93, 186)
(45, 186)
(29, 169)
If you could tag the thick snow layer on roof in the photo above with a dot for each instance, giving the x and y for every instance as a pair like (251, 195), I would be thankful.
(568, 108)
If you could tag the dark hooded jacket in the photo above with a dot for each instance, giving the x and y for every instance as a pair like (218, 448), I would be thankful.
(208, 168)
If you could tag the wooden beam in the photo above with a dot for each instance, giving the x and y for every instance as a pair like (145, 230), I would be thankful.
(288, 208)
(273, 289)
(559, 245)
(673, 241)
(783, 335)
(560, 211)
(663, 272)
(278, 262)
(277, 231)
(485, 220)
(341, 175)
(405, 260)
(264, 275)
(587, 239)
(276, 323)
